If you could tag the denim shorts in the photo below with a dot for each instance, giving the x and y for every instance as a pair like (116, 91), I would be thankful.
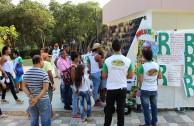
(103, 83)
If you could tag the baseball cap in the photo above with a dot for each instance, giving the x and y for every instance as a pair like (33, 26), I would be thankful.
(96, 45)
(65, 46)
(45, 55)
(56, 45)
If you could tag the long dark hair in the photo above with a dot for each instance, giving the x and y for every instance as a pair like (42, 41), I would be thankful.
(79, 73)
(5, 48)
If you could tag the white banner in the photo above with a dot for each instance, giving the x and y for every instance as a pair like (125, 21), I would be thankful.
(171, 75)
(171, 48)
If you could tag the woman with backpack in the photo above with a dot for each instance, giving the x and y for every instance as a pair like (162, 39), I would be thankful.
(84, 91)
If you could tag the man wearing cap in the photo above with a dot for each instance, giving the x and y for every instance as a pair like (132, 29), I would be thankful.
(94, 66)
(55, 54)
(48, 69)
(66, 48)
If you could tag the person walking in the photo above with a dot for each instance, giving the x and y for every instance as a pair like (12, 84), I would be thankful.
(55, 54)
(4, 87)
(94, 66)
(7, 66)
(18, 69)
(84, 91)
(36, 84)
(63, 63)
(75, 56)
(148, 75)
(117, 69)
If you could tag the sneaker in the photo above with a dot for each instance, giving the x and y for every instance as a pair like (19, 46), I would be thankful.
(154, 124)
(18, 101)
(98, 104)
(68, 108)
(104, 103)
(3, 101)
(76, 116)
(3, 116)
(98, 100)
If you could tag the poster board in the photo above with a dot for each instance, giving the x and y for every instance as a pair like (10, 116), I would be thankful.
(179, 62)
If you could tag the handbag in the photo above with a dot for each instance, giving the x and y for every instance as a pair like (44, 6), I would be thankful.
(19, 70)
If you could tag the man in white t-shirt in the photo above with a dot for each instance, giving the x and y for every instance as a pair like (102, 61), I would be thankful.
(55, 54)
(117, 69)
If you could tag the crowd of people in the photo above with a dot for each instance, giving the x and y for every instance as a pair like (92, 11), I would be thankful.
(105, 82)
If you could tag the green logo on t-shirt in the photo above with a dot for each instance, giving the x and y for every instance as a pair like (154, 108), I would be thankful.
(152, 72)
(118, 63)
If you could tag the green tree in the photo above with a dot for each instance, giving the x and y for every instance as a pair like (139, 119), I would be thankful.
(8, 36)
(80, 24)
(32, 20)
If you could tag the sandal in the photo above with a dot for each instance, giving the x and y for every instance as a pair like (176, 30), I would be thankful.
(18, 101)
(84, 120)
(3, 116)
(3, 101)
(90, 119)
(55, 116)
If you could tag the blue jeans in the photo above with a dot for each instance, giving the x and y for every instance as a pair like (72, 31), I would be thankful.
(62, 90)
(149, 98)
(42, 109)
(66, 94)
(85, 95)
(74, 102)
(96, 78)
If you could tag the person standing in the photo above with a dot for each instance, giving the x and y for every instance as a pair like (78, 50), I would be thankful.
(7, 66)
(94, 66)
(48, 69)
(84, 91)
(63, 63)
(18, 68)
(148, 75)
(36, 84)
(67, 49)
(55, 54)
(117, 69)
(75, 56)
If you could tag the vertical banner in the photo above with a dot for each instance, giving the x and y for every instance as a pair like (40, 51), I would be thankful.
(189, 54)
(171, 48)
(189, 85)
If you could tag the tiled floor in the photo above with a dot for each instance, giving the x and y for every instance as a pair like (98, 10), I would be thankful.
(165, 118)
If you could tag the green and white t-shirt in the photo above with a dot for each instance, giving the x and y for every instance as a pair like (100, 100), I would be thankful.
(150, 72)
(117, 67)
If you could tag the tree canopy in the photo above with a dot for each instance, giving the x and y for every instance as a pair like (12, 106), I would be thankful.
(38, 25)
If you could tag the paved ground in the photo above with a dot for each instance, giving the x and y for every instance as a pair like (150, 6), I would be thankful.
(165, 118)
(17, 116)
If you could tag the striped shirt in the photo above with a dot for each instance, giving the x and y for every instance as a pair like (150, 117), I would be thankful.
(35, 77)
